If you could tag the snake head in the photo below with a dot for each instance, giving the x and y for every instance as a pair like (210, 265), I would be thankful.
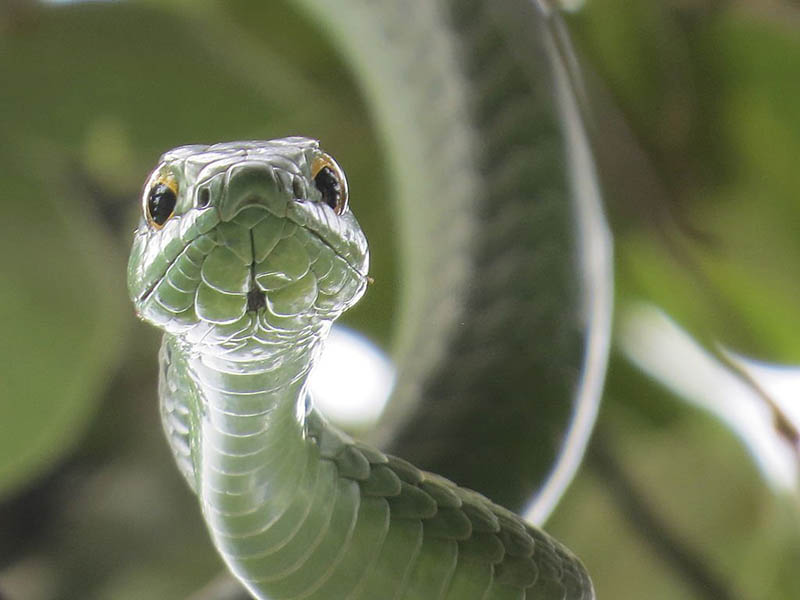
(242, 237)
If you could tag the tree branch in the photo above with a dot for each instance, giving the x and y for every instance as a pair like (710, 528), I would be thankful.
(652, 528)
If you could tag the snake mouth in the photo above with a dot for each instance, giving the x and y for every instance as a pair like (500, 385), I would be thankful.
(256, 297)
(149, 291)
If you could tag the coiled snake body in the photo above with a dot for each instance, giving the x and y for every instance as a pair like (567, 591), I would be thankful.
(247, 252)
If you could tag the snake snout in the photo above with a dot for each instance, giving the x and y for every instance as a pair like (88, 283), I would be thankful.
(252, 183)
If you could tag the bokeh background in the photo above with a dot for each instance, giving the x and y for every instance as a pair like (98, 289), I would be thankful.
(697, 109)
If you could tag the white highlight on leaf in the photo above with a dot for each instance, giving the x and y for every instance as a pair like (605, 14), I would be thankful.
(658, 346)
(352, 379)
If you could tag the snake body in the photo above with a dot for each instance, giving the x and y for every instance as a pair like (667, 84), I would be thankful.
(465, 94)
(245, 256)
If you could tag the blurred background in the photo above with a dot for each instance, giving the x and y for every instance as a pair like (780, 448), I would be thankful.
(690, 489)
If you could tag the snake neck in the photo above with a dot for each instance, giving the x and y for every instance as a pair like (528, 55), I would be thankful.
(233, 408)
(256, 376)
(245, 417)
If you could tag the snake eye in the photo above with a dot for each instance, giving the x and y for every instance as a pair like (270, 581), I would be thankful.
(160, 201)
(329, 179)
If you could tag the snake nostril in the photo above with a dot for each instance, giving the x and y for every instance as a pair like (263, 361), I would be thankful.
(203, 197)
(298, 189)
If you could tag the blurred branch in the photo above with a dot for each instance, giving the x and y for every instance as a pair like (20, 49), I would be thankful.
(785, 428)
(652, 528)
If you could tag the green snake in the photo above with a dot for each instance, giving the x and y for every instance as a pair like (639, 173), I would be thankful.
(248, 251)
(479, 103)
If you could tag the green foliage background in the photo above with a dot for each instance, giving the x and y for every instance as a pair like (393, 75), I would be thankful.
(90, 94)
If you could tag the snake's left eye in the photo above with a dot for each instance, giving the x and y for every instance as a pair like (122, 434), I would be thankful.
(160, 202)
(329, 179)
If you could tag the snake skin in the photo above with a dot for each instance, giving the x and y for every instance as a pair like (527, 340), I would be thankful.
(491, 336)
(296, 508)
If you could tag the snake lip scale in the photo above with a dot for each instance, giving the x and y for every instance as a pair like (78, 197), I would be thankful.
(146, 294)
(151, 288)
(335, 250)
(256, 298)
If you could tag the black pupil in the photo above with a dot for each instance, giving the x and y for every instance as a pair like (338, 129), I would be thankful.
(161, 203)
(328, 185)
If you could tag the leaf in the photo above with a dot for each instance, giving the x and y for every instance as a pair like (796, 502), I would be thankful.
(61, 297)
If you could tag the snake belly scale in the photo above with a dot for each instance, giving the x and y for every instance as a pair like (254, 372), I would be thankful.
(245, 255)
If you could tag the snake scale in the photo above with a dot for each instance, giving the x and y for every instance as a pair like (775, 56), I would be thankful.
(248, 251)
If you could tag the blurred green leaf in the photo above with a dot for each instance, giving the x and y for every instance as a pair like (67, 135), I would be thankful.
(62, 297)
(713, 107)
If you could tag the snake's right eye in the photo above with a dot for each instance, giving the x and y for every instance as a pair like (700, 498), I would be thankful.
(329, 179)
(160, 202)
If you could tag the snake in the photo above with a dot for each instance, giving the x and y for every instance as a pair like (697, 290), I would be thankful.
(247, 252)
